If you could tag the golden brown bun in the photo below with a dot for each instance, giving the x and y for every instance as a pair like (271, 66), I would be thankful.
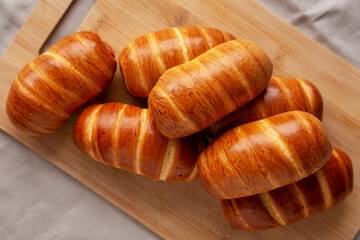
(48, 90)
(324, 189)
(192, 96)
(281, 95)
(263, 155)
(146, 58)
(125, 136)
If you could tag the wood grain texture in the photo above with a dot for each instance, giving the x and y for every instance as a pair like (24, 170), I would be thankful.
(280, 95)
(322, 190)
(125, 136)
(264, 155)
(146, 58)
(49, 89)
(185, 210)
(191, 96)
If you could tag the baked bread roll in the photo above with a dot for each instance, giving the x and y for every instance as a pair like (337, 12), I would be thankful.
(281, 95)
(322, 190)
(48, 90)
(147, 57)
(125, 136)
(192, 96)
(264, 155)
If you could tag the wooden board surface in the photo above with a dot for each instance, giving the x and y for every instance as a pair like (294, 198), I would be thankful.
(185, 210)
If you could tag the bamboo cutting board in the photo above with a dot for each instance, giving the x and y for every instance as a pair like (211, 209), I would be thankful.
(185, 210)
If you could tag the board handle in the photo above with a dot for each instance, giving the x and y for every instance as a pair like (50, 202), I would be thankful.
(38, 27)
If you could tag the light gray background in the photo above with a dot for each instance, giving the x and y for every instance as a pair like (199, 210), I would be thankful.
(39, 201)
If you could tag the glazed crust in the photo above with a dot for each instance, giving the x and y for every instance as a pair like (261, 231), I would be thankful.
(48, 90)
(322, 190)
(192, 96)
(281, 95)
(264, 155)
(125, 136)
(146, 58)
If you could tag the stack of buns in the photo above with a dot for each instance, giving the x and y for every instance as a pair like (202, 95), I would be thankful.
(270, 161)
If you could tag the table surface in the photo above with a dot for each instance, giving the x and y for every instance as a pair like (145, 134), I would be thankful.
(39, 201)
